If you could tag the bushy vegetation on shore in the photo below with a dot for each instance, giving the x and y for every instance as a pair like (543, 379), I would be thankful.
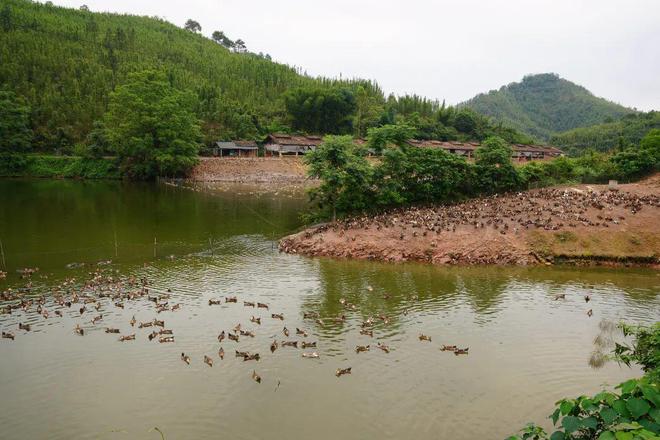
(76, 167)
(406, 175)
(631, 412)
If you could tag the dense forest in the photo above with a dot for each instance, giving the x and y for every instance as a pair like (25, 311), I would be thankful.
(64, 64)
(543, 105)
(619, 134)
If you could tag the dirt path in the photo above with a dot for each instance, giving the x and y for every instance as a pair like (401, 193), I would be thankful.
(580, 223)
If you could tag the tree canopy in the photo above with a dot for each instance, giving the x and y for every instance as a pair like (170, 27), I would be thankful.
(151, 127)
(321, 110)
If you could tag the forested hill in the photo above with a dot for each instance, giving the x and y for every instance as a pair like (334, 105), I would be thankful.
(65, 62)
(545, 104)
(619, 134)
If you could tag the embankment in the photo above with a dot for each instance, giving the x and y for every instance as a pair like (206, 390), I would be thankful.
(285, 170)
(578, 224)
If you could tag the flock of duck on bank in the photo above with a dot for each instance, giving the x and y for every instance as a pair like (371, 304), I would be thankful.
(105, 289)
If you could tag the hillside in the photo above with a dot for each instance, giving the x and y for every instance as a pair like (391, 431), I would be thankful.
(545, 104)
(65, 62)
(626, 131)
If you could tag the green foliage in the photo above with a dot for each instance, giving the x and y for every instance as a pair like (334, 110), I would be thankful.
(493, 167)
(15, 132)
(651, 144)
(619, 134)
(389, 135)
(152, 128)
(58, 166)
(645, 350)
(321, 110)
(631, 413)
(542, 105)
(345, 174)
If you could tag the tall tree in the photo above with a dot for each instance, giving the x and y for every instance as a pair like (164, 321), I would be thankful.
(15, 132)
(494, 170)
(320, 109)
(151, 127)
(6, 21)
(192, 26)
(239, 46)
(218, 36)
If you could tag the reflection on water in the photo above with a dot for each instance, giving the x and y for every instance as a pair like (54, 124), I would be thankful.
(526, 348)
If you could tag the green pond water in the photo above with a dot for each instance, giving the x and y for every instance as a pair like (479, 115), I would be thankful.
(526, 350)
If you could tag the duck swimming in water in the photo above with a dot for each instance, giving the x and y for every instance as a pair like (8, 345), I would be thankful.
(301, 332)
(309, 344)
(248, 304)
(448, 348)
(185, 358)
(241, 353)
(367, 332)
(78, 330)
(153, 335)
(587, 298)
(221, 336)
(247, 333)
(310, 315)
(146, 324)
(262, 306)
(560, 296)
(279, 316)
(285, 331)
(132, 321)
(231, 299)
(256, 377)
(166, 332)
(342, 371)
(461, 351)
(221, 353)
(273, 347)
(311, 355)
(256, 320)
(127, 338)
(159, 323)
(208, 361)
(8, 335)
(361, 348)
(251, 357)
(237, 328)
(166, 339)
(424, 338)
(590, 313)
(232, 337)
(26, 327)
(111, 330)
(215, 302)
(383, 347)
(290, 344)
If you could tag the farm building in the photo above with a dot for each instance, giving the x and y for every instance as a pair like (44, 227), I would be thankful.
(520, 152)
(281, 144)
(236, 149)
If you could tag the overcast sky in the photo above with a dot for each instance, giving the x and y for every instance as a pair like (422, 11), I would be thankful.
(444, 49)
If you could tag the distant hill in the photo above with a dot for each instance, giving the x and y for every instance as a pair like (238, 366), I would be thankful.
(624, 132)
(545, 104)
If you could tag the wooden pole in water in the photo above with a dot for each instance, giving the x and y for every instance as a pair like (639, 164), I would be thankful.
(211, 245)
(155, 244)
(116, 246)
(2, 252)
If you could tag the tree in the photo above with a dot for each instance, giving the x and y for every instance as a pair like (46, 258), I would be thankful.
(320, 109)
(378, 139)
(152, 128)
(15, 132)
(494, 170)
(368, 111)
(651, 143)
(239, 46)
(218, 36)
(465, 121)
(84, 8)
(345, 176)
(97, 141)
(6, 21)
(192, 26)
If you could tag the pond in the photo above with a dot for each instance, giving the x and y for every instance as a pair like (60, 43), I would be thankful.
(527, 349)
